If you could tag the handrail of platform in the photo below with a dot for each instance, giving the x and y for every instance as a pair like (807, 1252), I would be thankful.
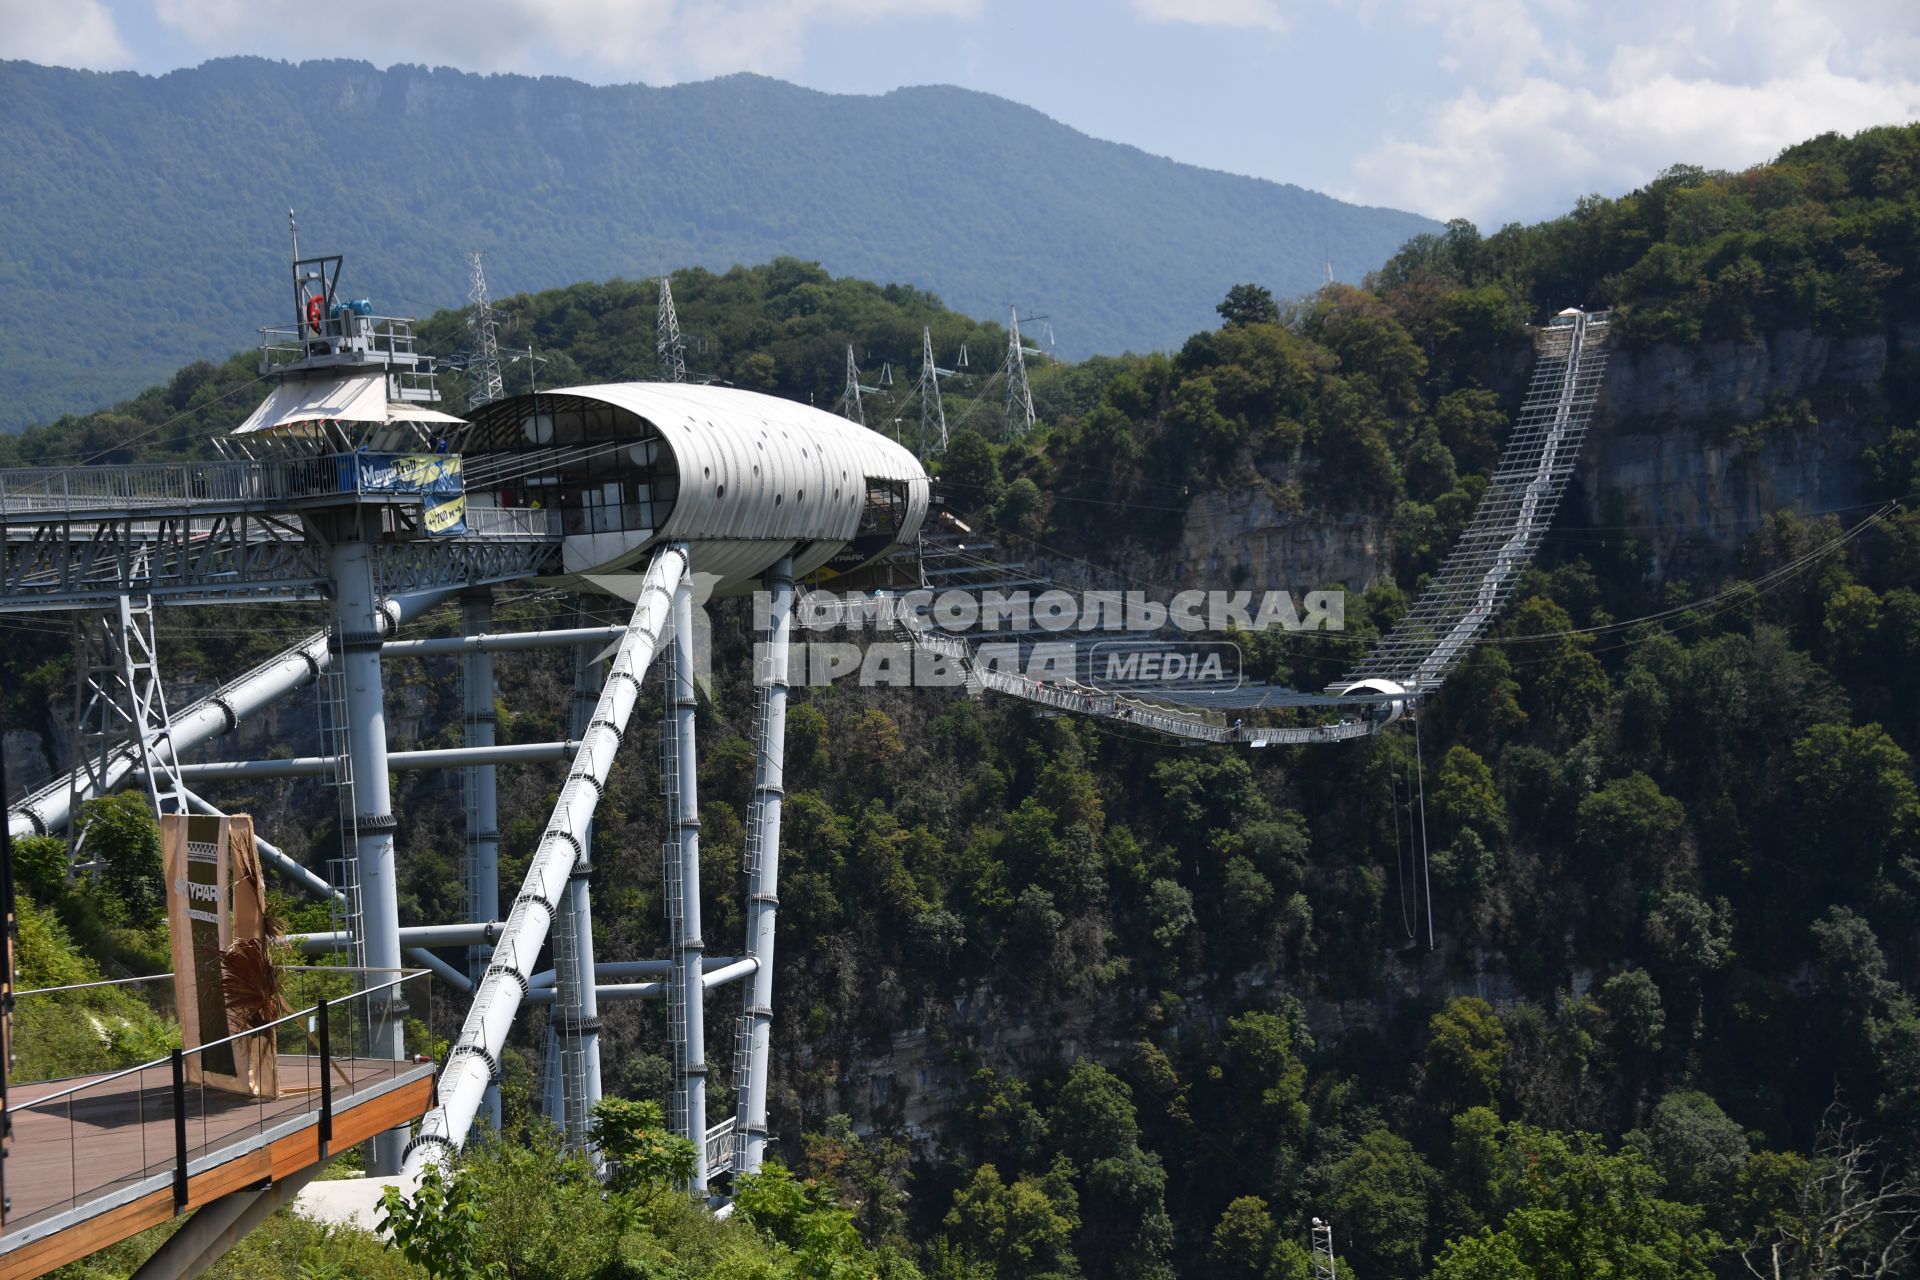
(388, 339)
(328, 1036)
(42, 491)
(528, 523)
(407, 975)
(1106, 704)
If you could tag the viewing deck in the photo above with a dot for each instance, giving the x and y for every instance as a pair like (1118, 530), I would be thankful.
(98, 1158)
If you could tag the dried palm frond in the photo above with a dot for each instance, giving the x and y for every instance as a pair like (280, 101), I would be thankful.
(252, 984)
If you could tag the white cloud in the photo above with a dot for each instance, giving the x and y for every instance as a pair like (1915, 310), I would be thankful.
(77, 33)
(1258, 14)
(658, 40)
(1602, 98)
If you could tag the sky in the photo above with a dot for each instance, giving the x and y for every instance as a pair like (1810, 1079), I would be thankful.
(1493, 110)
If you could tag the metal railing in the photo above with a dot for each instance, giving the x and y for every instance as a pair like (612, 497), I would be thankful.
(380, 339)
(524, 523)
(1113, 706)
(720, 1147)
(115, 1132)
(41, 491)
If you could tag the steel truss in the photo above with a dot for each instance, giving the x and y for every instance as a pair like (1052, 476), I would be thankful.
(120, 704)
(242, 556)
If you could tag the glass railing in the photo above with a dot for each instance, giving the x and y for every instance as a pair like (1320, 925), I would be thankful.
(76, 1142)
(90, 1027)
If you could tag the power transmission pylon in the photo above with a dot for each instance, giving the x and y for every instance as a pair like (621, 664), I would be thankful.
(485, 383)
(1019, 418)
(933, 415)
(669, 348)
(1323, 1264)
(850, 408)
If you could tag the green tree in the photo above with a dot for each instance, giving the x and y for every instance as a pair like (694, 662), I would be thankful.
(1249, 304)
(1263, 1066)
(870, 1175)
(1854, 796)
(1466, 798)
(970, 471)
(1093, 1116)
(643, 1156)
(1629, 828)
(439, 1226)
(1020, 1231)
(1694, 1146)
(1466, 1051)
(1242, 1240)
(1381, 1191)
(121, 833)
(41, 862)
(803, 1217)
(1579, 1213)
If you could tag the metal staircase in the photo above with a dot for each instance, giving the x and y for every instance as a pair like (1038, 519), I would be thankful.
(672, 889)
(345, 915)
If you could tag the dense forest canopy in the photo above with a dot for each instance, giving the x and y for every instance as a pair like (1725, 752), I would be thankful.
(1668, 1027)
(146, 227)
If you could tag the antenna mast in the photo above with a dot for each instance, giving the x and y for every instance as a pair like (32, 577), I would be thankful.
(1019, 394)
(669, 348)
(486, 383)
(1323, 1264)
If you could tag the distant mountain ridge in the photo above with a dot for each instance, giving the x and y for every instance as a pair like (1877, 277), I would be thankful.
(142, 218)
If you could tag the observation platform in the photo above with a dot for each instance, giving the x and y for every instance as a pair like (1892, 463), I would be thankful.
(98, 1158)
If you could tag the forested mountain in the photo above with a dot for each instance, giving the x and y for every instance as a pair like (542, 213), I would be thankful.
(144, 215)
(1060, 1000)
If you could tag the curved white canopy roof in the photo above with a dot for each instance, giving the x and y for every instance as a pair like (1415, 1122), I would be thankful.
(759, 477)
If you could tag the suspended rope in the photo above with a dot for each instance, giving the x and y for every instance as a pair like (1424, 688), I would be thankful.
(1400, 857)
(1420, 769)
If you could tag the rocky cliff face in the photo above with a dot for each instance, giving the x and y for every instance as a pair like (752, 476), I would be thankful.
(1695, 446)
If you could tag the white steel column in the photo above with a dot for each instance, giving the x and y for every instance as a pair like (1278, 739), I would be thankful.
(683, 891)
(357, 637)
(472, 1063)
(763, 870)
(576, 1010)
(482, 797)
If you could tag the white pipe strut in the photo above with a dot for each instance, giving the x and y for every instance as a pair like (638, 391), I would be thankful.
(471, 1065)
(763, 863)
(689, 947)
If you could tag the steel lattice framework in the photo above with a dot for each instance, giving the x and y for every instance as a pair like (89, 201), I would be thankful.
(669, 348)
(484, 323)
(257, 556)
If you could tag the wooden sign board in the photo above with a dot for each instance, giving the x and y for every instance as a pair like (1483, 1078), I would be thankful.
(216, 896)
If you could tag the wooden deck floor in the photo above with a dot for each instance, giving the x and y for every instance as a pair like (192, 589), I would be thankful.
(101, 1139)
